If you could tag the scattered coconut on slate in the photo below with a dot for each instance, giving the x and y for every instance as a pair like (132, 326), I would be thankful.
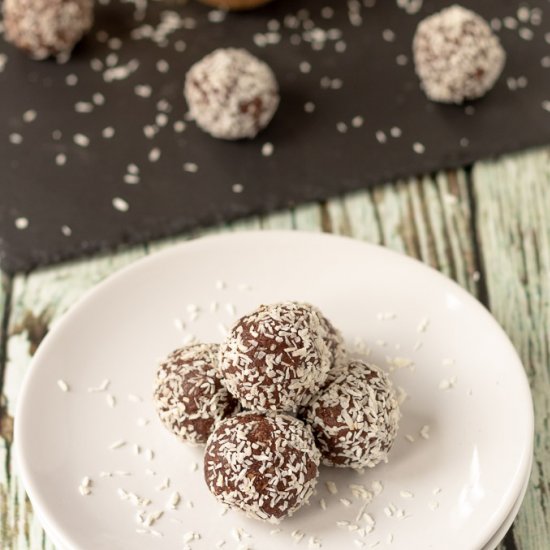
(457, 56)
(276, 357)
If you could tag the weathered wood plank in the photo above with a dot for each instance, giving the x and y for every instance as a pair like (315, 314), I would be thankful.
(430, 220)
(249, 224)
(354, 215)
(308, 217)
(279, 220)
(6, 425)
(362, 217)
(513, 219)
(4, 291)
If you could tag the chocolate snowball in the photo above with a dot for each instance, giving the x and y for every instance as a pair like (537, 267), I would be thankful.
(263, 464)
(276, 358)
(231, 94)
(189, 395)
(457, 55)
(355, 419)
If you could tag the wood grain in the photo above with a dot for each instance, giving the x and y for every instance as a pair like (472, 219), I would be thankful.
(513, 221)
(495, 225)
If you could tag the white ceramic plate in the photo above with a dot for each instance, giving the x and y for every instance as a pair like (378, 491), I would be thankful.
(499, 536)
(452, 489)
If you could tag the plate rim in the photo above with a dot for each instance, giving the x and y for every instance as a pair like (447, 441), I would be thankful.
(502, 531)
(174, 250)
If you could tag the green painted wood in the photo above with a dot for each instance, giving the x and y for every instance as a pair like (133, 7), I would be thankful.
(277, 221)
(308, 218)
(513, 219)
(5, 290)
(358, 215)
(249, 224)
(428, 219)
(6, 424)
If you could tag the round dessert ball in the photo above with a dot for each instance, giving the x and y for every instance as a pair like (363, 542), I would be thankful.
(457, 55)
(263, 464)
(189, 396)
(355, 419)
(235, 4)
(231, 94)
(46, 27)
(276, 358)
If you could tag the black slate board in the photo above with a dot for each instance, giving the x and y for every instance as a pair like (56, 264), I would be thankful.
(312, 160)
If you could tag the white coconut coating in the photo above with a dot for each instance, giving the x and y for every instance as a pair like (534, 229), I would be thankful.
(276, 358)
(355, 419)
(231, 94)
(263, 464)
(457, 55)
(335, 342)
(189, 395)
(46, 27)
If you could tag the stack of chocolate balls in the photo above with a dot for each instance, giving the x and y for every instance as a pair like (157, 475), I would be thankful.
(275, 400)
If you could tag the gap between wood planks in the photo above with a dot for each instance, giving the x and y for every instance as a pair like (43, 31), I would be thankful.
(5, 299)
(5, 303)
(482, 290)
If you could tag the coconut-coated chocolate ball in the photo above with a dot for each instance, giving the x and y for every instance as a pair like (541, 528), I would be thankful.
(231, 94)
(276, 358)
(263, 464)
(355, 419)
(189, 395)
(457, 55)
(43, 28)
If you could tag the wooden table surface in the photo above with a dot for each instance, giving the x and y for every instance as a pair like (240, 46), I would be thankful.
(488, 228)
